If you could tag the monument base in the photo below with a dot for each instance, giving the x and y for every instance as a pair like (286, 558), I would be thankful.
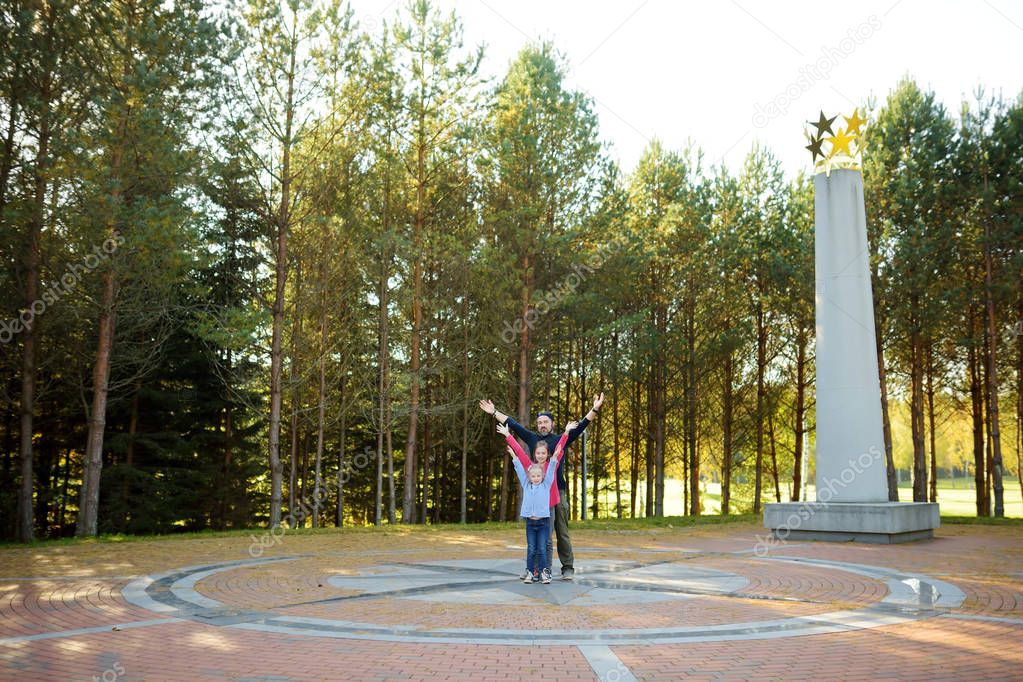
(877, 522)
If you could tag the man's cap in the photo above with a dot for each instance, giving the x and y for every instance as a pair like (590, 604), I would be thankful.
(545, 414)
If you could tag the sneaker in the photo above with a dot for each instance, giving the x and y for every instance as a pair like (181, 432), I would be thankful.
(527, 577)
(567, 573)
(546, 576)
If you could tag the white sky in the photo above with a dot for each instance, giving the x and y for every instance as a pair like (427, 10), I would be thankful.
(679, 70)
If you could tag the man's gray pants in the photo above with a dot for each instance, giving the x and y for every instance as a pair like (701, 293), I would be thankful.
(561, 514)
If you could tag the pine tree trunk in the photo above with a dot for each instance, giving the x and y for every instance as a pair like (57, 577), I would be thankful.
(425, 483)
(916, 371)
(44, 472)
(614, 428)
(886, 422)
(297, 474)
(7, 164)
(695, 501)
(582, 443)
(383, 379)
(392, 510)
(439, 464)
(634, 463)
(988, 452)
(650, 442)
(692, 401)
(408, 503)
(88, 505)
(464, 483)
(797, 465)
(228, 449)
(419, 225)
(321, 416)
(293, 428)
(524, 354)
(488, 501)
(660, 386)
(761, 393)
(343, 468)
(992, 362)
(727, 455)
(597, 463)
(932, 494)
(977, 414)
(774, 456)
(8, 446)
(30, 336)
(296, 333)
(685, 473)
(304, 501)
(1019, 389)
(281, 278)
(568, 410)
(62, 512)
(466, 402)
(129, 452)
(429, 437)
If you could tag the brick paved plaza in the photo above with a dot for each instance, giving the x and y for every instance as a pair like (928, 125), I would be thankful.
(703, 603)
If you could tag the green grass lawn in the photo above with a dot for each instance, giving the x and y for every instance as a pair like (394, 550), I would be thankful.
(958, 498)
(955, 497)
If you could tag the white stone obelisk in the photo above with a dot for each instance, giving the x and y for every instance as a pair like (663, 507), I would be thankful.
(852, 485)
(849, 431)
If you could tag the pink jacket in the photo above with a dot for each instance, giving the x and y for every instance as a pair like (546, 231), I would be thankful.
(526, 461)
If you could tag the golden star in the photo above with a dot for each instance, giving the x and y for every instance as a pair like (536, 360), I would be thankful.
(854, 123)
(823, 125)
(840, 143)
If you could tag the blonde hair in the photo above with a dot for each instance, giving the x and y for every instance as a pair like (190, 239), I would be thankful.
(534, 467)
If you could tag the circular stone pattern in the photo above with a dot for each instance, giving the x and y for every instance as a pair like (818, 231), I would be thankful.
(487, 581)
(701, 597)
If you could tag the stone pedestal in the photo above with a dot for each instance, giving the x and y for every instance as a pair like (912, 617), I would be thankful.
(878, 522)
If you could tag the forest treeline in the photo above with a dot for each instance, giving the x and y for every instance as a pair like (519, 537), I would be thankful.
(261, 264)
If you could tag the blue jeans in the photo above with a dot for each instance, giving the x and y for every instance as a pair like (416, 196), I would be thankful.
(537, 536)
(550, 544)
(550, 541)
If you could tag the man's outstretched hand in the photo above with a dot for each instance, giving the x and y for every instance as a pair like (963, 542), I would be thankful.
(569, 427)
(598, 402)
(487, 406)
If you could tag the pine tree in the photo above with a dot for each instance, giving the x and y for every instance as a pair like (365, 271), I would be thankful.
(762, 193)
(915, 218)
(158, 59)
(439, 85)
